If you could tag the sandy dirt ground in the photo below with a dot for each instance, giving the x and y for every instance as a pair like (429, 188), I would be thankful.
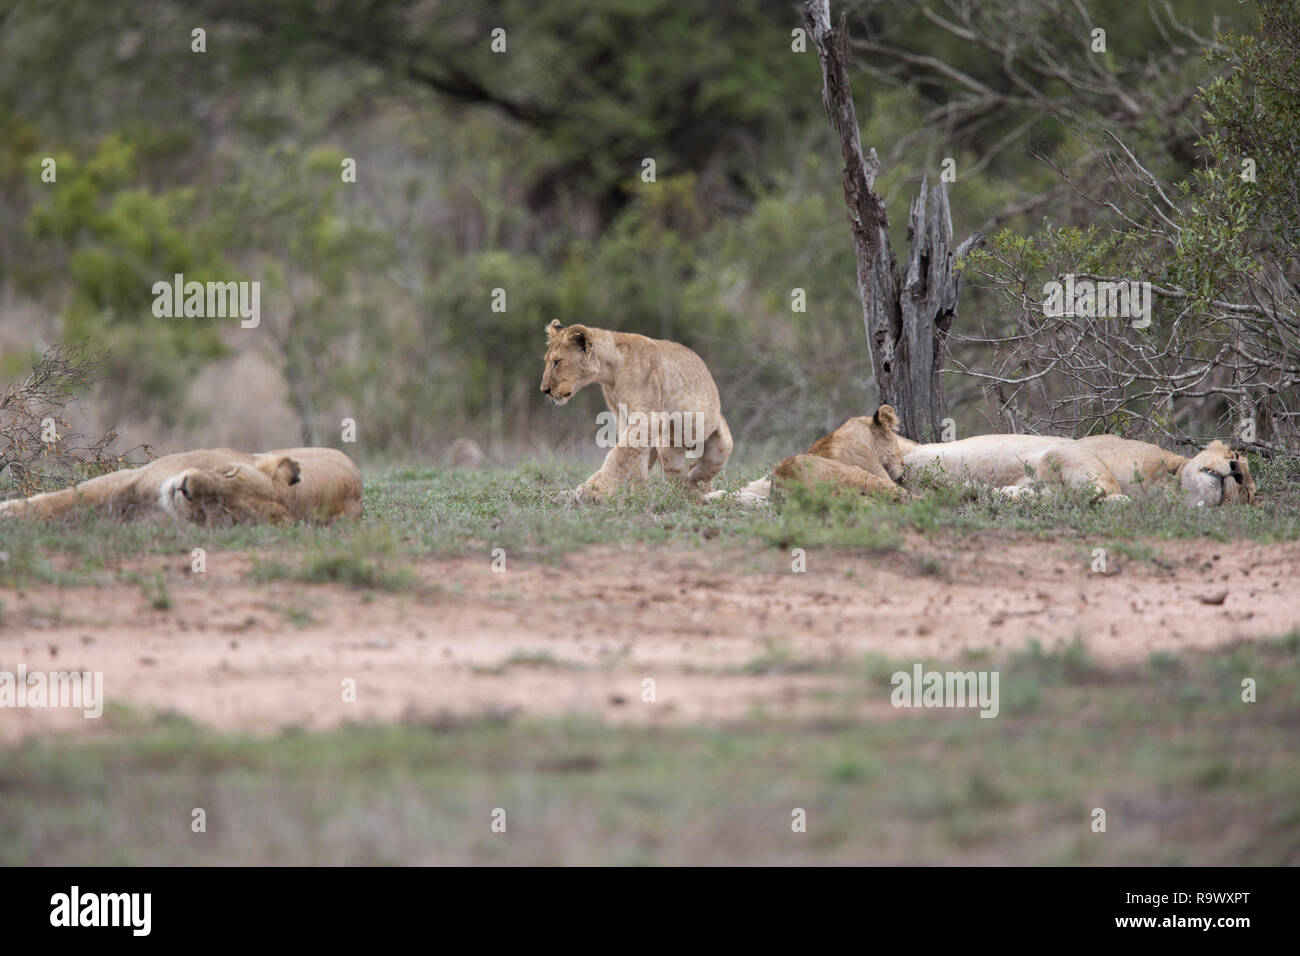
(582, 634)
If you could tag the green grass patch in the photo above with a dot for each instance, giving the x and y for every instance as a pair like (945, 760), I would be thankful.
(1187, 773)
(525, 511)
(370, 558)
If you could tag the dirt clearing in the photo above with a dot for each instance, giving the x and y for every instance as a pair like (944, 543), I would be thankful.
(720, 631)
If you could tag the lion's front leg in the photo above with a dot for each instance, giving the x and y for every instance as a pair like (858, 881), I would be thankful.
(622, 466)
(1075, 468)
(812, 470)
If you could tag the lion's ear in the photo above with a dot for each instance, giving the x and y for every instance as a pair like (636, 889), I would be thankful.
(280, 468)
(886, 418)
(579, 336)
(289, 471)
(553, 329)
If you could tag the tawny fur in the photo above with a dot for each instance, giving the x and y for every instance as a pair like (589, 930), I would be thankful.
(1216, 475)
(639, 375)
(1114, 468)
(330, 486)
(215, 485)
(862, 455)
(865, 455)
(813, 470)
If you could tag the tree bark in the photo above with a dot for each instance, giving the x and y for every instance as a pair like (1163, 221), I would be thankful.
(907, 316)
(928, 304)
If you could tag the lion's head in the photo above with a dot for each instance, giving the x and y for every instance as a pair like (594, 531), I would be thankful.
(865, 441)
(1217, 476)
(570, 362)
(237, 493)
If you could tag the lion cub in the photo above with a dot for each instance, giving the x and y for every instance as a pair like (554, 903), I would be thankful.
(663, 404)
(863, 455)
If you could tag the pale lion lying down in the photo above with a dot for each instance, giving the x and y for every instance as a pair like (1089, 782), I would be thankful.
(215, 486)
(865, 455)
(1115, 468)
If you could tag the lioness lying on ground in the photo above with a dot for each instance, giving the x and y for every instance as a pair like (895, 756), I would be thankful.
(1115, 468)
(663, 400)
(864, 455)
(214, 486)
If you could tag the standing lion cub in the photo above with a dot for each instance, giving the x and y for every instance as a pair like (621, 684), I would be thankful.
(663, 404)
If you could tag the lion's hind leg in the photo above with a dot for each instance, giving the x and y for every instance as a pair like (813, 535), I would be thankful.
(99, 492)
(672, 460)
(717, 449)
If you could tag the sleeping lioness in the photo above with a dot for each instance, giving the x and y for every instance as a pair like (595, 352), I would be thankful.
(661, 386)
(1114, 468)
(865, 455)
(215, 486)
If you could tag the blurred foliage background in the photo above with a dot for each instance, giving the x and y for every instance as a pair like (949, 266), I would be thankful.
(520, 170)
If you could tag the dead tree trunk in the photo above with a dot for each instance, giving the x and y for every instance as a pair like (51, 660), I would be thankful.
(907, 316)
